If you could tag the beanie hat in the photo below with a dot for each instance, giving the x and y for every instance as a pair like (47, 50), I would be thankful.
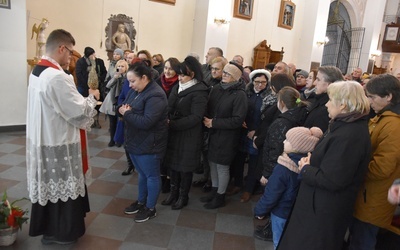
(120, 52)
(302, 72)
(233, 70)
(260, 71)
(302, 139)
(88, 51)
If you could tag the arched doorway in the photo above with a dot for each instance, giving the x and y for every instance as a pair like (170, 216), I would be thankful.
(345, 42)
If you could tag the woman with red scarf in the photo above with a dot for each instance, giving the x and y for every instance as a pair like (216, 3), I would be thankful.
(167, 81)
(169, 78)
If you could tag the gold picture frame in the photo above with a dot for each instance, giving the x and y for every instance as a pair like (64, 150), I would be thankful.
(172, 2)
(243, 9)
(286, 14)
(6, 4)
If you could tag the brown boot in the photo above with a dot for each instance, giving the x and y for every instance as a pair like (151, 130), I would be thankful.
(245, 197)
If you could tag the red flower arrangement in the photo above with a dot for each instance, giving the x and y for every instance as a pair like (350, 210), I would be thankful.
(11, 215)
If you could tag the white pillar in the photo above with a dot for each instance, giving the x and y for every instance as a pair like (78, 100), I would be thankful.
(206, 33)
(315, 19)
(373, 16)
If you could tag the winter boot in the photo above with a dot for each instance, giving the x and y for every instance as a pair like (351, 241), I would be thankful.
(130, 167)
(174, 188)
(186, 181)
(218, 201)
(165, 184)
(264, 233)
(209, 197)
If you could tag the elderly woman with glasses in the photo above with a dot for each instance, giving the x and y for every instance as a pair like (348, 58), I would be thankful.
(227, 108)
(256, 91)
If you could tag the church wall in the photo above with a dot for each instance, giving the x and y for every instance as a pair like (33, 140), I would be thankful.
(13, 66)
(161, 28)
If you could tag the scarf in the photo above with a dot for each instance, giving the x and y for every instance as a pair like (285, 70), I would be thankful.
(186, 85)
(269, 100)
(349, 117)
(168, 83)
(308, 92)
(227, 85)
(285, 161)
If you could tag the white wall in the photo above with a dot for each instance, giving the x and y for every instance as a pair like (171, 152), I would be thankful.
(161, 28)
(13, 65)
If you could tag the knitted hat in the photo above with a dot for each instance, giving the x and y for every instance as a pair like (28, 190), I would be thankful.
(233, 70)
(260, 71)
(88, 51)
(302, 139)
(302, 72)
(120, 52)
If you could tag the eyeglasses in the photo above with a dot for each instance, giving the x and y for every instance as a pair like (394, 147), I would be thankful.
(70, 51)
(216, 69)
(263, 83)
(226, 73)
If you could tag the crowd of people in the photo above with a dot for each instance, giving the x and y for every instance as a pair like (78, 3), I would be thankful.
(323, 150)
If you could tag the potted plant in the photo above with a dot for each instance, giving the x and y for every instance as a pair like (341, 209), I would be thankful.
(11, 220)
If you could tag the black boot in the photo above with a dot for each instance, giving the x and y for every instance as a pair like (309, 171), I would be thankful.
(130, 167)
(173, 196)
(165, 184)
(211, 196)
(174, 187)
(264, 233)
(186, 181)
(218, 201)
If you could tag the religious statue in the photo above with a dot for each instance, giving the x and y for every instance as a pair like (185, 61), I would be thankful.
(40, 37)
(120, 39)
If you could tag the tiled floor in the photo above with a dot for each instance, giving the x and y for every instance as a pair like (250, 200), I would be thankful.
(107, 227)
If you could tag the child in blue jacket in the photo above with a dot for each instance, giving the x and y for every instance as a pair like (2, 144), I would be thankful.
(282, 186)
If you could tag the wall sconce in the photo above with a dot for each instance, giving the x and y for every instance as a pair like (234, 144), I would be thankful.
(376, 53)
(220, 21)
(326, 40)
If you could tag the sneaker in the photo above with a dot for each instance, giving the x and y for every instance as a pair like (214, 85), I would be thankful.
(134, 208)
(145, 214)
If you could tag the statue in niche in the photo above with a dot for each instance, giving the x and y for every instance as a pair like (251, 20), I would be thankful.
(40, 37)
(120, 39)
(120, 33)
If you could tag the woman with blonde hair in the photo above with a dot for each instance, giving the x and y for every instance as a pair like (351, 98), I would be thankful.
(332, 175)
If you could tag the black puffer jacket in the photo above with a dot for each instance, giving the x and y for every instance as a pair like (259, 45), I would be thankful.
(146, 130)
(273, 145)
(227, 108)
(185, 138)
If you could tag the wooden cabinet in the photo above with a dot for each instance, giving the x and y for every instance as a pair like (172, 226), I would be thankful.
(263, 55)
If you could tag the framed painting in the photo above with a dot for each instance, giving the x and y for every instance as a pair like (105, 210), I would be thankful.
(391, 33)
(6, 4)
(286, 14)
(243, 9)
(172, 2)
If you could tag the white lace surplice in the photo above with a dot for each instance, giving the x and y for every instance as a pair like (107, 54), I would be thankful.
(56, 111)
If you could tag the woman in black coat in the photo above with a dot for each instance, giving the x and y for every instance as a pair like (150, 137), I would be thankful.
(332, 175)
(186, 107)
(318, 114)
(227, 108)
